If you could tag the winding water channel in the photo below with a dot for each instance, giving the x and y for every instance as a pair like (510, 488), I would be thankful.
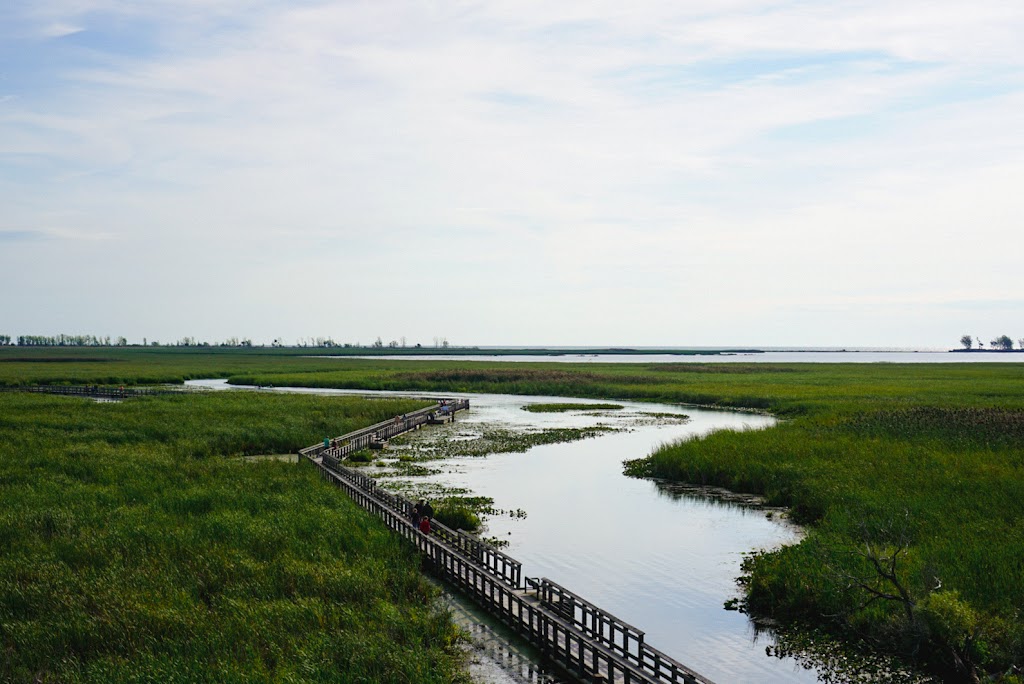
(662, 558)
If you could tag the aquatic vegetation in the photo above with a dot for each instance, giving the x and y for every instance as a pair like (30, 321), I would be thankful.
(496, 542)
(558, 408)
(644, 418)
(453, 506)
(361, 456)
(404, 468)
(456, 514)
(490, 440)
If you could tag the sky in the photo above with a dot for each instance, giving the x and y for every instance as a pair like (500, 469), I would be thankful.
(738, 172)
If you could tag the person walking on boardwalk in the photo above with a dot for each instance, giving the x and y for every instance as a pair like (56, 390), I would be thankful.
(426, 510)
(425, 525)
(416, 514)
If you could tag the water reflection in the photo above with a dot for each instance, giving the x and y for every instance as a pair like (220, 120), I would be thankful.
(837, 663)
(495, 654)
(659, 556)
(716, 496)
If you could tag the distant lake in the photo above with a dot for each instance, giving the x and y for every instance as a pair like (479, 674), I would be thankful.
(841, 356)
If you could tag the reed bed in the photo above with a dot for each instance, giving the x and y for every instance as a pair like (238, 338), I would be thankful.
(908, 476)
(563, 407)
(134, 549)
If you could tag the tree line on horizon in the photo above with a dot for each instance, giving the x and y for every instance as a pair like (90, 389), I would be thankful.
(1001, 343)
(968, 342)
(63, 340)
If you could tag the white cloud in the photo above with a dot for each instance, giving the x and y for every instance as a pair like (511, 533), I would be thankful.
(584, 157)
(60, 30)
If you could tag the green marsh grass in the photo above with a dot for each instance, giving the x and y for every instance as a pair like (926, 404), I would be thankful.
(560, 408)
(456, 514)
(921, 458)
(485, 441)
(132, 549)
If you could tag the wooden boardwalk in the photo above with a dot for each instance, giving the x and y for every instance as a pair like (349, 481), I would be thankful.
(93, 391)
(587, 642)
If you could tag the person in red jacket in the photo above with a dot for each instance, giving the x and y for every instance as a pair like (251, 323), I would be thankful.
(425, 525)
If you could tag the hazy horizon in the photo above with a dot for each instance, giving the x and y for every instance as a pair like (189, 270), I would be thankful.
(307, 342)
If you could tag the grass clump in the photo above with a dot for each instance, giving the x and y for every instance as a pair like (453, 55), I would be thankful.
(561, 408)
(361, 456)
(457, 515)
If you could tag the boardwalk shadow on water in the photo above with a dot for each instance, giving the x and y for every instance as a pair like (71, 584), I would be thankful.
(496, 654)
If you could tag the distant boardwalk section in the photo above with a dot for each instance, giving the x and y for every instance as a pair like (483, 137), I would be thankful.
(588, 643)
(92, 391)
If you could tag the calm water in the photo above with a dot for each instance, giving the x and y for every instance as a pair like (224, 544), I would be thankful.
(663, 561)
(763, 357)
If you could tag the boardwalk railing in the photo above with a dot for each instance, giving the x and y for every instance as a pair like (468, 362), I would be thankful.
(503, 567)
(592, 620)
(92, 391)
(619, 635)
(588, 642)
(556, 637)
(340, 447)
